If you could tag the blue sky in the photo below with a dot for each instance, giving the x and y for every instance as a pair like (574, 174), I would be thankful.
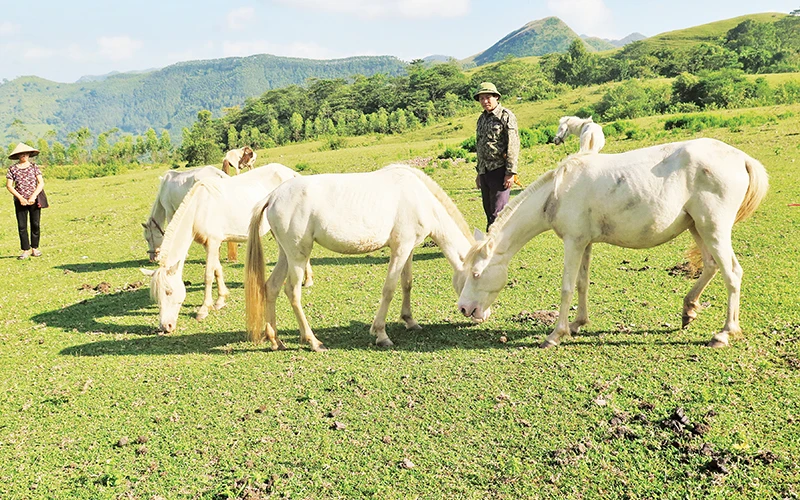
(64, 40)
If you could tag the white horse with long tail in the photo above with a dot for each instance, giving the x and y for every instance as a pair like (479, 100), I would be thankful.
(589, 133)
(172, 189)
(395, 207)
(215, 210)
(637, 199)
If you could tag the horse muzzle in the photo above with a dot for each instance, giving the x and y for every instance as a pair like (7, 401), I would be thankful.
(557, 141)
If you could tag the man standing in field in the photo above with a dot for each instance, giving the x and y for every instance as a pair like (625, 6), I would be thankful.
(497, 145)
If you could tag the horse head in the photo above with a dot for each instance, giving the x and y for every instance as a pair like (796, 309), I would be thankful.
(168, 291)
(484, 278)
(563, 130)
(154, 236)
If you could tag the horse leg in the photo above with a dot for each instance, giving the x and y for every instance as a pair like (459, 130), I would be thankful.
(397, 262)
(405, 284)
(222, 289)
(691, 303)
(721, 250)
(308, 280)
(292, 288)
(582, 318)
(573, 256)
(212, 257)
(271, 289)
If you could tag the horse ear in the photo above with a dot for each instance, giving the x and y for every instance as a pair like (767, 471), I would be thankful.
(478, 235)
(147, 272)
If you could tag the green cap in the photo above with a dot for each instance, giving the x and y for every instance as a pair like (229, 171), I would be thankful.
(486, 88)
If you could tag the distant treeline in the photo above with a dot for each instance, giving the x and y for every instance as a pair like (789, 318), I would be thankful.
(709, 75)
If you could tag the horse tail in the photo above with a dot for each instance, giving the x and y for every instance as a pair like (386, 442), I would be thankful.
(756, 190)
(255, 298)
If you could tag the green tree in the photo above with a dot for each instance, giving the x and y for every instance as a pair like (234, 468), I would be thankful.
(296, 126)
(200, 145)
(233, 137)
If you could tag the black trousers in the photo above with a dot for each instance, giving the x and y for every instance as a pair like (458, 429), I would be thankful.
(23, 213)
(495, 196)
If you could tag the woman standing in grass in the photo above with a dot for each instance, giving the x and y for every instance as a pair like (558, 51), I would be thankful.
(24, 180)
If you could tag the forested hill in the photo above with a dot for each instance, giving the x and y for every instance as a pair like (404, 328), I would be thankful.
(164, 99)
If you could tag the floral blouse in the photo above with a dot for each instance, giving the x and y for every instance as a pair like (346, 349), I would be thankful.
(24, 178)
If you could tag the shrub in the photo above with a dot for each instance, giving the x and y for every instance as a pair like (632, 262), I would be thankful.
(302, 167)
(469, 144)
(632, 100)
(452, 153)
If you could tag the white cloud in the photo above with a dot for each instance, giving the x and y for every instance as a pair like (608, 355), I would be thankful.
(118, 48)
(371, 9)
(7, 28)
(587, 17)
(297, 49)
(241, 18)
(38, 53)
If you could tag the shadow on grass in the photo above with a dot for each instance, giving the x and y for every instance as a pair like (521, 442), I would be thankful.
(90, 267)
(355, 336)
(86, 316)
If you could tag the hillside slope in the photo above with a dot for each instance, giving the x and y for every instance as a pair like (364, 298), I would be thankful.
(168, 98)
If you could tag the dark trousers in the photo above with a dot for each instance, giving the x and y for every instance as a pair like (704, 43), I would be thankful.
(23, 212)
(494, 195)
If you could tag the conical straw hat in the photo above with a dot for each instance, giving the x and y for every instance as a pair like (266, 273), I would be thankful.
(22, 148)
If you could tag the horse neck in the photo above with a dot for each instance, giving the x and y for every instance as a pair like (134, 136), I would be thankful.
(527, 219)
(180, 232)
(159, 213)
(453, 243)
(577, 126)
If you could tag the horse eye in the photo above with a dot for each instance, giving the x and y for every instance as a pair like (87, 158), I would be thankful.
(168, 292)
(476, 275)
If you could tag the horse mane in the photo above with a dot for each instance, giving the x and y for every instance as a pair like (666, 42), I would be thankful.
(447, 202)
(211, 186)
(512, 206)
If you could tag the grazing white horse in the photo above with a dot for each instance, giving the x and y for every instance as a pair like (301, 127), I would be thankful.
(239, 159)
(637, 199)
(215, 210)
(395, 207)
(590, 134)
(173, 188)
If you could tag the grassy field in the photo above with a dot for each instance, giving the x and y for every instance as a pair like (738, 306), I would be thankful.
(95, 404)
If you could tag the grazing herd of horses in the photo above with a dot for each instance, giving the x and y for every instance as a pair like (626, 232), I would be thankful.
(637, 199)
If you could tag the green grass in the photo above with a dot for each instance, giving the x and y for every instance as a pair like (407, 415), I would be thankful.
(207, 415)
(706, 32)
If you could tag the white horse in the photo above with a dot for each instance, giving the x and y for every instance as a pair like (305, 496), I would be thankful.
(215, 210)
(239, 159)
(637, 199)
(173, 188)
(395, 207)
(590, 134)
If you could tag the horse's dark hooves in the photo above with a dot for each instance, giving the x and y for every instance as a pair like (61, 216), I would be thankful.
(716, 343)
(547, 344)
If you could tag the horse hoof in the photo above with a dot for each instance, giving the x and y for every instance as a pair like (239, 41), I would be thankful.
(547, 343)
(716, 343)
(278, 346)
(319, 348)
(217, 307)
(384, 342)
(413, 326)
(202, 315)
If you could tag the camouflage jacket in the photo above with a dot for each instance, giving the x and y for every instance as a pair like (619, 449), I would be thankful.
(497, 141)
